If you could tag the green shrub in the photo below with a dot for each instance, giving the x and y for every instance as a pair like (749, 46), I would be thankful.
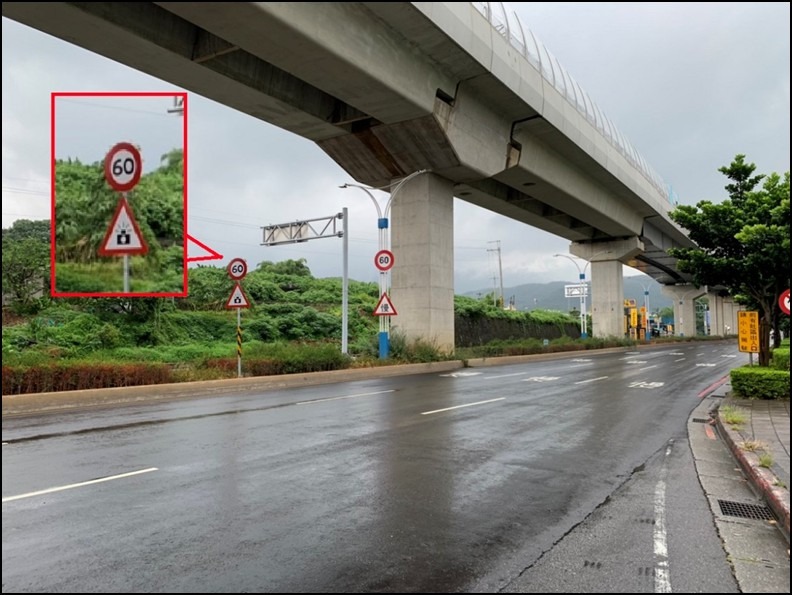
(262, 328)
(417, 351)
(606, 342)
(281, 358)
(780, 358)
(752, 382)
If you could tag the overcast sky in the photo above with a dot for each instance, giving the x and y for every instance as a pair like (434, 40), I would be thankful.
(689, 84)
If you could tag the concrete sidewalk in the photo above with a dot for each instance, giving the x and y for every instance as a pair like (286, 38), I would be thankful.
(765, 431)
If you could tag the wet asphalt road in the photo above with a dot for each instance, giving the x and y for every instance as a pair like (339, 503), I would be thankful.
(429, 483)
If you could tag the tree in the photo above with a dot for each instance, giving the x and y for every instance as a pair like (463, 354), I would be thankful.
(23, 229)
(25, 270)
(26, 262)
(743, 243)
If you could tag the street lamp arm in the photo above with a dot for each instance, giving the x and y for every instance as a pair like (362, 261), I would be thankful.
(581, 272)
(395, 190)
(371, 196)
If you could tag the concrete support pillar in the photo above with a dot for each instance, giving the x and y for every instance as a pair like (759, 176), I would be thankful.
(607, 299)
(716, 314)
(607, 282)
(422, 241)
(730, 309)
(684, 297)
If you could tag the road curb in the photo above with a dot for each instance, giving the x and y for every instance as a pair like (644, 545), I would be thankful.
(763, 480)
(77, 399)
(31, 403)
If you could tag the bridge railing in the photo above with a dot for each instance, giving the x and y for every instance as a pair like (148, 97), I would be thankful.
(551, 70)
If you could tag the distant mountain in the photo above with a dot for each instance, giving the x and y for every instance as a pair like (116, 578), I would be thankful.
(550, 296)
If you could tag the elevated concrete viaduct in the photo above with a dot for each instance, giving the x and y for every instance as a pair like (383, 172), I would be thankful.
(390, 88)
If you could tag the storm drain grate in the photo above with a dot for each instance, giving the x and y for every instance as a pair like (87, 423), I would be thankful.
(745, 511)
(700, 420)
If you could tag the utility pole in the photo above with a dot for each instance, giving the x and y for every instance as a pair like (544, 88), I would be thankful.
(500, 267)
(178, 105)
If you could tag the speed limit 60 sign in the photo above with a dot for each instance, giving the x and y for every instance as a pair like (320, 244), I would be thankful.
(123, 166)
(383, 260)
(237, 269)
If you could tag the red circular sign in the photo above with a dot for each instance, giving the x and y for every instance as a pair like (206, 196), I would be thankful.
(237, 269)
(383, 260)
(123, 167)
(783, 302)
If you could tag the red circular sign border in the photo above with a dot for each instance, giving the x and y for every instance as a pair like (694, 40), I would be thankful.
(230, 264)
(108, 167)
(784, 294)
(384, 253)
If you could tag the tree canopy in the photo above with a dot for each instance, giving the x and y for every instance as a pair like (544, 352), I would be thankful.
(26, 262)
(743, 242)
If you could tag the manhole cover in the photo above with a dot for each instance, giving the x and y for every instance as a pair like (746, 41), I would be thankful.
(745, 511)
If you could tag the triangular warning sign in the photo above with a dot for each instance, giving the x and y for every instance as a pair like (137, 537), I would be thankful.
(385, 307)
(123, 236)
(238, 298)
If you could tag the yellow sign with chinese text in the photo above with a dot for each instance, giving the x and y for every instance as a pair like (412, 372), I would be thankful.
(748, 331)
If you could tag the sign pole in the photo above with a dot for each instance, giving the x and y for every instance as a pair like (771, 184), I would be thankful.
(239, 343)
(384, 248)
(126, 260)
(345, 284)
(384, 339)
(304, 230)
(123, 167)
(237, 270)
(583, 333)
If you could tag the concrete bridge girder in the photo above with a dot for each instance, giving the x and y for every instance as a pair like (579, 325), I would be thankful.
(463, 103)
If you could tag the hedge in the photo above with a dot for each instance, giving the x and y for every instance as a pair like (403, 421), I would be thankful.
(753, 382)
(79, 375)
(780, 358)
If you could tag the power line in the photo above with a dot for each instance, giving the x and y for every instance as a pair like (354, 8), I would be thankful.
(25, 191)
(115, 107)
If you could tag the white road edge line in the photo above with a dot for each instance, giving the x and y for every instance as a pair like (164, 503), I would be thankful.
(662, 571)
(78, 485)
(379, 392)
(461, 406)
(591, 380)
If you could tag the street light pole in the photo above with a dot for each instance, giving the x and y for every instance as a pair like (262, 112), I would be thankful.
(384, 244)
(646, 309)
(583, 292)
(584, 286)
